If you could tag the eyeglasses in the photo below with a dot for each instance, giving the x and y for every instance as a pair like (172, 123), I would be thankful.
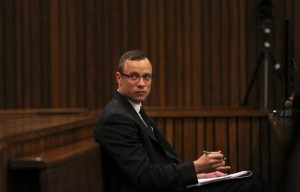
(136, 76)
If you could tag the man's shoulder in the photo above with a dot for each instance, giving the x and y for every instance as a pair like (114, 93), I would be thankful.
(114, 108)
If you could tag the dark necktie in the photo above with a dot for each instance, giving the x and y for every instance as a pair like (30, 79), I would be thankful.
(146, 121)
(145, 118)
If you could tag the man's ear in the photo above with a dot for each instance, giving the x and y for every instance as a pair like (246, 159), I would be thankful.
(118, 77)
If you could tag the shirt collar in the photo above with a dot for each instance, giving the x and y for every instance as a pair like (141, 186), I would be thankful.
(136, 106)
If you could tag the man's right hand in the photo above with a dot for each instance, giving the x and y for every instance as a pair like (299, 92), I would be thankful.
(210, 163)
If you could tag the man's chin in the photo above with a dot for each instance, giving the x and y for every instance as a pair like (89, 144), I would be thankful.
(140, 99)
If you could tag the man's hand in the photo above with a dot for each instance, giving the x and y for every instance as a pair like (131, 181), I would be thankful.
(214, 161)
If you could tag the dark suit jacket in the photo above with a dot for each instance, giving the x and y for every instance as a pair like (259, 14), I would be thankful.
(135, 159)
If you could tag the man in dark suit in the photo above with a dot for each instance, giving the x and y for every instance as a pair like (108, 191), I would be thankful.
(136, 157)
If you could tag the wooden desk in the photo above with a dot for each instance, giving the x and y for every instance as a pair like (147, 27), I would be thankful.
(36, 136)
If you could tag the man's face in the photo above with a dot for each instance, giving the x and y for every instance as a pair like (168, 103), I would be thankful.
(139, 89)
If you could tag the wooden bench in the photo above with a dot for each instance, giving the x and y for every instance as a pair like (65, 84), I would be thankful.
(52, 150)
(74, 167)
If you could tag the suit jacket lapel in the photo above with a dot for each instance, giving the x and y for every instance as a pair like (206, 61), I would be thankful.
(132, 111)
(155, 134)
(171, 154)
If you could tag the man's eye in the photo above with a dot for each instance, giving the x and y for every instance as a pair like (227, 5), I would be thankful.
(134, 76)
(147, 77)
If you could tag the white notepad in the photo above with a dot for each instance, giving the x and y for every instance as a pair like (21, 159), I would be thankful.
(238, 175)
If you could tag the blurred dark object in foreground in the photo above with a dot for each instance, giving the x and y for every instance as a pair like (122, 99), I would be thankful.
(289, 170)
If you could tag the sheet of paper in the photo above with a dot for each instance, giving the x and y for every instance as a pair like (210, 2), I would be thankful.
(238, 175)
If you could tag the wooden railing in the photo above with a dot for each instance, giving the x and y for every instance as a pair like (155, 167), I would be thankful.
(10, 114)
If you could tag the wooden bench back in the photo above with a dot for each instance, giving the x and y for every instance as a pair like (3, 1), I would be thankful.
(74, 167)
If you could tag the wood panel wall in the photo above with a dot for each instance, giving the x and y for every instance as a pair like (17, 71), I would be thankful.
(63, 54)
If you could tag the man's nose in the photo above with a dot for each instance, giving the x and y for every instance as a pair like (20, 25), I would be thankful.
(141, 81)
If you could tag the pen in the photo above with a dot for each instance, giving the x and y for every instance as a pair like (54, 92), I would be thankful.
(207, 153)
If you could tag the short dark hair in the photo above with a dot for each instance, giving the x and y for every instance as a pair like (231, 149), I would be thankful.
(133, 55)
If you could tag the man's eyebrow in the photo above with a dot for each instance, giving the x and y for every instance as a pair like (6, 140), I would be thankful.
(138, 73)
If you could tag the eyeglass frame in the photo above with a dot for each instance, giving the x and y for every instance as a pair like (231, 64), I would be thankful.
(137, 77)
